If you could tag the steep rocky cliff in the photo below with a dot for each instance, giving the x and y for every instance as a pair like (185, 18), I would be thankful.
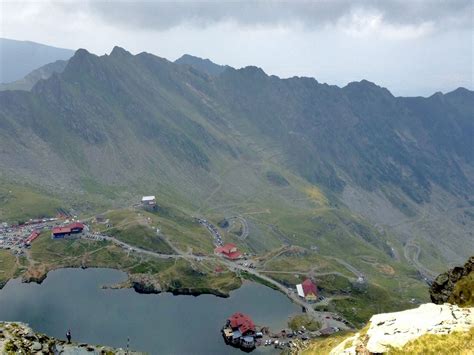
(428, 329)
(455, 286)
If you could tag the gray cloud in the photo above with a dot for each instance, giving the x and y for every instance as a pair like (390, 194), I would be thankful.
(159, 15)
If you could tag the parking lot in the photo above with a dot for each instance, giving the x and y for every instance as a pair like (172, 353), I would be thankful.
(218, 242)
(15, 237)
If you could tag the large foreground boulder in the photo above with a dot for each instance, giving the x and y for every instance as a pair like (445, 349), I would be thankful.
(455, 285)
(401, 330)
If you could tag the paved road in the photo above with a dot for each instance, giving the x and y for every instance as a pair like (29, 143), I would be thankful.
(425, 272)
(347, 266)
(152, 253)
(306, 272)
(319, 316)
(245, 226)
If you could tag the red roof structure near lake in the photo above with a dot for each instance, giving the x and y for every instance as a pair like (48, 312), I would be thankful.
(75, 227)
(242, 322)
(228, 250)
(309, 288)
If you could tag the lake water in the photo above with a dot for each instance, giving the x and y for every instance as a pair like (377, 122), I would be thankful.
(158, 324)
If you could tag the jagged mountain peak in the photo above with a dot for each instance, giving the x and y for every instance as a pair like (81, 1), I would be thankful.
(204, 65)
(119, 51)
(366, 86)
(80, 58)
(461, 92)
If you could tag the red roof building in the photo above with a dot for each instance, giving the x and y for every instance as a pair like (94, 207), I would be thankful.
(75, 227)
(241, 322)
(309, 288)
(33, 236)
(229, 251)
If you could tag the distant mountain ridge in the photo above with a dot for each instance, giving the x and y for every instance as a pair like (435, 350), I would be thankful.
(19, 58)
(204, 65)
(32, 78)
(126, 123)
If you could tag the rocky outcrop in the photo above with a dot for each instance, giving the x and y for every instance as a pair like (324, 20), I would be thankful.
(394, 330)
(141, 283)
(444, 285)
(197, 291)
(144, 284)
(148, 284)
(16, 338)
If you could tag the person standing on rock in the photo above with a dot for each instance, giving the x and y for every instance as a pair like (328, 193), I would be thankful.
(68, 336)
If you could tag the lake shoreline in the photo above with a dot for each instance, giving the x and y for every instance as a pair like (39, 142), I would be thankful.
(71, 298)
(140, 283)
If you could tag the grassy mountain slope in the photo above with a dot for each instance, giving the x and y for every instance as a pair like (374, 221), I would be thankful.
(291, 162)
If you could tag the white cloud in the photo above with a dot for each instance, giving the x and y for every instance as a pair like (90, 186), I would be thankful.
(370, 23)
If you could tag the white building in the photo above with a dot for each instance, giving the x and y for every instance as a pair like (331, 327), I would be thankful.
(299, 290)
(149, 200)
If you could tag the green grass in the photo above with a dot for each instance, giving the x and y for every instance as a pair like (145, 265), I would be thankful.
(173, 275)
(141, 236)
(298, 321)
(182, 231)
(151, 267)
(252, 277)
(51, 251)
(463, 293)
(298, 214)
(19, 203)
(324, 346)
(364, 301)
(8, 266)
(198, 278)
(461, 343)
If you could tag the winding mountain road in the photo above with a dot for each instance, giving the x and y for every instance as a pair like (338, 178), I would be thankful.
(325, 318)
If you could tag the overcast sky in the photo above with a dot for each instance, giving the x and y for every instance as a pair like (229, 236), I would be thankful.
(411, 47)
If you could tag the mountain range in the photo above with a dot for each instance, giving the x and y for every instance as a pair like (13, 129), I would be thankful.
(311, 164)
(19, 58)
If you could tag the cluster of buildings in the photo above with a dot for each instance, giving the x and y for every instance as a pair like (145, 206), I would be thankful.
(228, 251)
(240, 331)
(307, 290)
(17, 237)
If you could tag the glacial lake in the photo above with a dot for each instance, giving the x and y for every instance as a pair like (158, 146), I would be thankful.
(158, 324)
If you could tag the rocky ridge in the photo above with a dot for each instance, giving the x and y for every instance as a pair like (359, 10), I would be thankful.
(394, 330)
(19, 338)
(455, 285)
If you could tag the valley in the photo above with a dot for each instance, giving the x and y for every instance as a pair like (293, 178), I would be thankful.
(180, 259)
(363, 193)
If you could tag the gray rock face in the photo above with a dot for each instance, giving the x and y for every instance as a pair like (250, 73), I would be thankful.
(443, 285)
(18, 338)
(394, 330)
